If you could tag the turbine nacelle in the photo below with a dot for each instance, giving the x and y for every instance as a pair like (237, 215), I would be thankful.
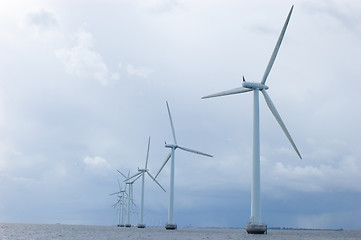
(254, 85)
(143, 170)
(171, 146)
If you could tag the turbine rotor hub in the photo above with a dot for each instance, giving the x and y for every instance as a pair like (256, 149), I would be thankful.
(254, 85)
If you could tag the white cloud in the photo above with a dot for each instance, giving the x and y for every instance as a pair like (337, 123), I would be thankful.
(83, 61)
(96, 162)
(339, 176)
(138, 71)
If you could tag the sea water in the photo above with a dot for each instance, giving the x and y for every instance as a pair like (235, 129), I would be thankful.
(15, 231)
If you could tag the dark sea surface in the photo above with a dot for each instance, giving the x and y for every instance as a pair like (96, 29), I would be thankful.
(16, 231)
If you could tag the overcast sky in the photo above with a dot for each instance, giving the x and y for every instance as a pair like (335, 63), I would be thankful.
(84, 83)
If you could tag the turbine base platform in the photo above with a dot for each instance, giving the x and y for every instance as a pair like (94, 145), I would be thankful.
(128, 225)
(169, 226)
(141, 225)
(253, 228)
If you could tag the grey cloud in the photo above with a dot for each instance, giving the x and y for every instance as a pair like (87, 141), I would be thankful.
(42, 19)
(62, 140)
(344, 12)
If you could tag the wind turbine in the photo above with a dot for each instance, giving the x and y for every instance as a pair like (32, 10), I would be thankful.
(170, 224)
(130, 200)
(121, 204)
(130, 195)
(137, 175)
(255, 225)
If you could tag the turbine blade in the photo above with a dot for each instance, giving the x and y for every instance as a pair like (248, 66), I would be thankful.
(277, 47)
(115, 204)
(146, 161)
(194, 151)
(138, 173)
(137, 178)
(165, 162)
(121, 173)
(131, 198)
(171, 124)
(120, 188)
(279, 120)
(228, 92)
(150, 175)
(114, 193)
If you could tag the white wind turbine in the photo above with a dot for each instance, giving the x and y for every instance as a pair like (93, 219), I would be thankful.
(121, 204)
(136, 176)
(130, 196)
(255, 225)
(130, 200)
(170, 224)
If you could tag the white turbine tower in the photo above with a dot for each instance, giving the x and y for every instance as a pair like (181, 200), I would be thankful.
(136, 176)
(255, 225)
(170, 224)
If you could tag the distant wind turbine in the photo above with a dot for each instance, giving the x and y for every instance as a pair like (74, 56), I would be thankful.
(255, 225)
(136, 176)
(130, 200)
(120, 202)
(170, 224)
(130, 195)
